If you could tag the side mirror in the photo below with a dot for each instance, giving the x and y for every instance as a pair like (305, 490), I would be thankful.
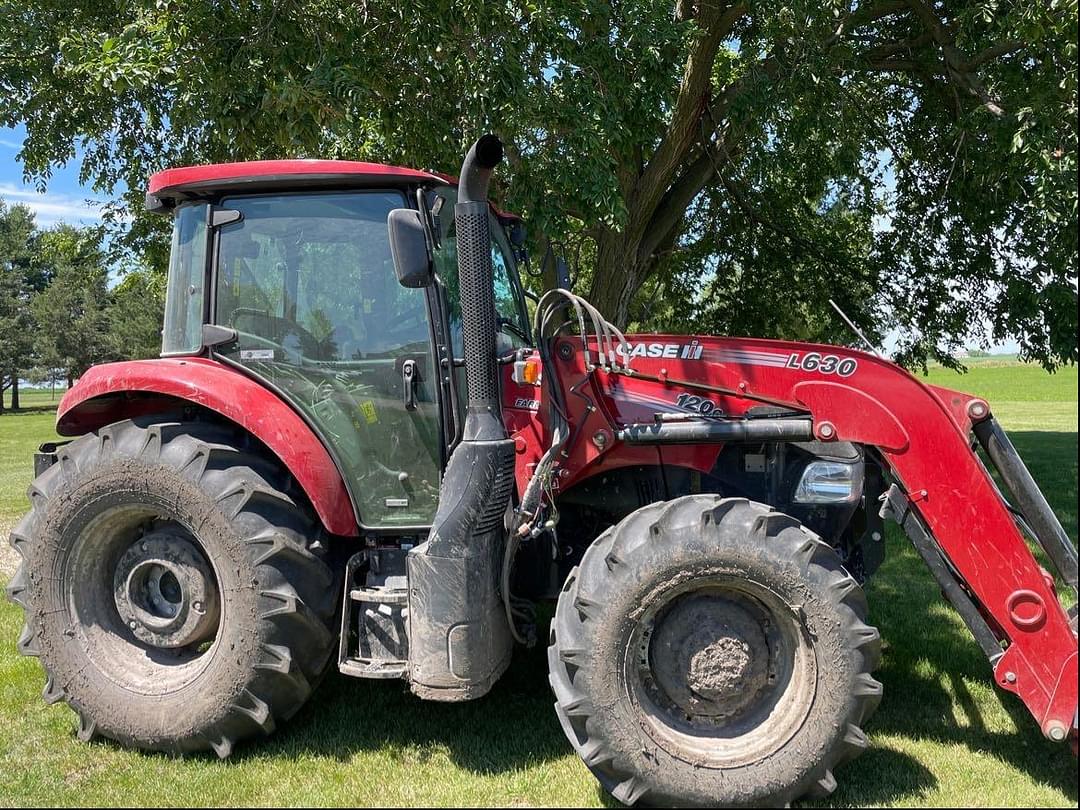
(409, 247)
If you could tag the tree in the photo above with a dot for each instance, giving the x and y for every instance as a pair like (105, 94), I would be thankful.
(135, 313)
(917, 158)
(72, 316)
(16, 290)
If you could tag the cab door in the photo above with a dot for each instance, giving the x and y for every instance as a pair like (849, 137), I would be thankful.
(307, 282)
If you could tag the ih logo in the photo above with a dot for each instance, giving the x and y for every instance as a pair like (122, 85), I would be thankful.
(671, 351)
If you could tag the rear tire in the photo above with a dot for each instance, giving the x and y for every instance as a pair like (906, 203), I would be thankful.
(713, 652)
(170, 587)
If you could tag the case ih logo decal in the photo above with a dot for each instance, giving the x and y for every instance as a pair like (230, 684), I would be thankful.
(672, 351)
(823, 363)
(810, 361)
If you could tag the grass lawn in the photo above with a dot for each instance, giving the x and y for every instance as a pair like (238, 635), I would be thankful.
(943, 736)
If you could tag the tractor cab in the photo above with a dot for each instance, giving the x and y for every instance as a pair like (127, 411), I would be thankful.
(284, 270)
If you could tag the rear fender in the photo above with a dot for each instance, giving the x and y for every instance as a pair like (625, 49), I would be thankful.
(115, 391)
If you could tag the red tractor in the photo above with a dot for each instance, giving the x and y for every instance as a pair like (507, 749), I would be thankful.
(358, 449)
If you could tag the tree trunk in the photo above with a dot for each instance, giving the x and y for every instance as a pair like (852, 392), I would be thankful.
(14, 390)
(620, 272)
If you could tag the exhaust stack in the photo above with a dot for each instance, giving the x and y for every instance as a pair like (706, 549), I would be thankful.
(459, 639)
(483, 419)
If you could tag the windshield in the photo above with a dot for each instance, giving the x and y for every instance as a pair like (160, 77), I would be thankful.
(312, 276)
(185, 296)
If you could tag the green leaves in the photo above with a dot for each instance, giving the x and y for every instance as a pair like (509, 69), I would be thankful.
(918, 159)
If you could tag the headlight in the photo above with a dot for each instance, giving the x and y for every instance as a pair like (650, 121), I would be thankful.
(829, 482)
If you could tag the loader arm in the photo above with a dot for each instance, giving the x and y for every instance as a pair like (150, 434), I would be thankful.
(944, 496)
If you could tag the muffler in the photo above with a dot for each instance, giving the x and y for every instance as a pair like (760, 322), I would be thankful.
(459, 639)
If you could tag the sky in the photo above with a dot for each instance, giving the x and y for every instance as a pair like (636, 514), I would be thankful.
(64, 201)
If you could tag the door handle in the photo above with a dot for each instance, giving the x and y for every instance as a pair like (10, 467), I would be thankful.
(410, 373)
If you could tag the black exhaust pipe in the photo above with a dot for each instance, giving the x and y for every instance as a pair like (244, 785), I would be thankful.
(459, 639)
(483, 419)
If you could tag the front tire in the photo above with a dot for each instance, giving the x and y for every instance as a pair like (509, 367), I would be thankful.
(170, 589)
(712, 652)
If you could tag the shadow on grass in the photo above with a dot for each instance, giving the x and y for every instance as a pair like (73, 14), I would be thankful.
(511, 728)
(929, 661)
(881, 776)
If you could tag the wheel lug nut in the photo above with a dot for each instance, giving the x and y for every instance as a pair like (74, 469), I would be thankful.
(133, 624)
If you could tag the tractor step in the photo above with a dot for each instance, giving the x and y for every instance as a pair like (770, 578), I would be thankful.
(375, 616)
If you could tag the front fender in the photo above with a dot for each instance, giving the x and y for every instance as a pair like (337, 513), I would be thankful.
(115, 391)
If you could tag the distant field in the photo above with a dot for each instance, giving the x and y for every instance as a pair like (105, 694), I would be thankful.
(942, 737)
(994, 380)
(35, 397)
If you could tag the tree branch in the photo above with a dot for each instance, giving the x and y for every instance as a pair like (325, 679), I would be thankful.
(716, 23)
(862, 16)
(666, 216)
(890, 49)
(959, 65)
(992, 53)
(698, 172)
(672, 208)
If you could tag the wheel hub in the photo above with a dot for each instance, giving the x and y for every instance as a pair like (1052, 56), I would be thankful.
(710, 656)
(165, 591)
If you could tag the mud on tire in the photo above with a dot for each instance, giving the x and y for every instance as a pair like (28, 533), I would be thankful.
(713, 652)
(143, 499)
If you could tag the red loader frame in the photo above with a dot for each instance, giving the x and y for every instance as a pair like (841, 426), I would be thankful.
(675, 399)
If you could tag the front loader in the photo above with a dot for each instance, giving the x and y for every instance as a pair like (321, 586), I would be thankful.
(359, 450)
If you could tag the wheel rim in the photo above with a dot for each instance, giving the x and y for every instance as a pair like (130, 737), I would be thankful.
(164, 590)
(721, 668)
(143, 597)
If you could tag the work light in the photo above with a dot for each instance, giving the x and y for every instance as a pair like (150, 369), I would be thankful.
(829, 482)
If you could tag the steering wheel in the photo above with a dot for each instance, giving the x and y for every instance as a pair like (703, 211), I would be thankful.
(279, 327)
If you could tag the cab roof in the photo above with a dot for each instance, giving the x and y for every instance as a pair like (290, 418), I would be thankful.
(172, 185)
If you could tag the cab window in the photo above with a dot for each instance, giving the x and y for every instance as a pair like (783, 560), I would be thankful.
(510, 310)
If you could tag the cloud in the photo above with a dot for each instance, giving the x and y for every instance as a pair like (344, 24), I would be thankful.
(51, 207)
(10, 144)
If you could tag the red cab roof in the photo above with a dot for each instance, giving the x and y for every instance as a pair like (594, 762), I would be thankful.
(173, 183)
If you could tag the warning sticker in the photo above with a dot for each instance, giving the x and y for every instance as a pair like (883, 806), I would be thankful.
(367, 408)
